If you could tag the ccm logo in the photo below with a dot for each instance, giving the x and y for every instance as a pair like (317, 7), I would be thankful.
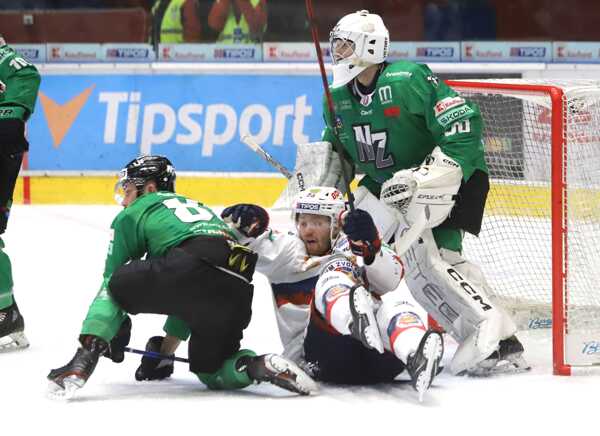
(468, 289)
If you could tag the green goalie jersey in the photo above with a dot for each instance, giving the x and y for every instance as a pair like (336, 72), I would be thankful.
(409, 113)
(150, 226)
(22, 81)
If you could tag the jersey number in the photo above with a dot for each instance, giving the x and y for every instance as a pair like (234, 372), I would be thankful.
(372, 146)
(188, 212)
(18, 63)
(458, 127)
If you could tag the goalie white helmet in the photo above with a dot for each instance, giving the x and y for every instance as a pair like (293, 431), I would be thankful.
(358, 41)
(320, 201)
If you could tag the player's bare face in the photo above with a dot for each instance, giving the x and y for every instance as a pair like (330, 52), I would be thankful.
(341, 49)
(315, 232)
(130, 191)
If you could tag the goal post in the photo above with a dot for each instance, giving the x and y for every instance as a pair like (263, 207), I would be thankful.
(540, 242)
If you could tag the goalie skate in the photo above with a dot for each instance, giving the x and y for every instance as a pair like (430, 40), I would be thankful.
(12, 336)
(364, 325)
(508, 359)
(281, 372)
(423, 364)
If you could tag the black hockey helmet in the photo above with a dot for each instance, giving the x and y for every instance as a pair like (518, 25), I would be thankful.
(149, 168)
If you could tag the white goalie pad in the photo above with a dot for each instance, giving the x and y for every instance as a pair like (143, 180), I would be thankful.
(319, 165)
(456, 295)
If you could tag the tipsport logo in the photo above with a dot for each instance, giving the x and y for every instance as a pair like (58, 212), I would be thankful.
(159, 123)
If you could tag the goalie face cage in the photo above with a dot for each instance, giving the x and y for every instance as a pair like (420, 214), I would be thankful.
(539, 245)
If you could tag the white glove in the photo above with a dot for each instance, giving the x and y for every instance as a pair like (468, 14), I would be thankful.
(2, 87)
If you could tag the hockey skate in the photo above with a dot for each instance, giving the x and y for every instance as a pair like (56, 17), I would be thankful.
(423, 364)
(66, 380)
(281, 372)
(507, 359)
(12, 336)
(364, 325)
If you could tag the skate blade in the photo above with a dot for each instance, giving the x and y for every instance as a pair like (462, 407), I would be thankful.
(433, 350)
(13, 341)
(296, 381)
(71, 385)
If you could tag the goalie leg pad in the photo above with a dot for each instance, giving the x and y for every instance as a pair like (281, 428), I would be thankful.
(458, 303)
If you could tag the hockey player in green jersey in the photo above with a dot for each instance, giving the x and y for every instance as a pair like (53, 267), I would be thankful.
(19, 83)
(419, 145)
(171, 255)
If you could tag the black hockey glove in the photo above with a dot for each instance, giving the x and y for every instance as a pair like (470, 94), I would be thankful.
(362, 234)
(151, 367)
(251, 220)
(116, 348)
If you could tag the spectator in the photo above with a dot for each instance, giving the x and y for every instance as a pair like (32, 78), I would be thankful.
(239, 21)
(175, 21)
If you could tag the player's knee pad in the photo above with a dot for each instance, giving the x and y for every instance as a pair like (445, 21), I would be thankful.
(228, 376)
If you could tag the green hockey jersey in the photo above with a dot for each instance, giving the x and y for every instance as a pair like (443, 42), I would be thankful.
(22, 81)
(149, 226)
(409, 113)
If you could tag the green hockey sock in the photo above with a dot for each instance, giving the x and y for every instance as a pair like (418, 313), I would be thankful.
(6, 282)
(228, 376)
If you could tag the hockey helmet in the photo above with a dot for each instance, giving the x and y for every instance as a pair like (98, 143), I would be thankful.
(357, 41)
(320, 200)
(143, 169)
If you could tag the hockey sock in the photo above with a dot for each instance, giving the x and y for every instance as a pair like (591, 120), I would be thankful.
(6, 282)
(231, 375)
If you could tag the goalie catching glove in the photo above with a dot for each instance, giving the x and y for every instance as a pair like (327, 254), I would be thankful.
(426, 192)
(249, 219)
(362, 234)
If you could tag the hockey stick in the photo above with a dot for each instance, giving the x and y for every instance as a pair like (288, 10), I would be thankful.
(332, 118)
(156, 355)
(250, 142)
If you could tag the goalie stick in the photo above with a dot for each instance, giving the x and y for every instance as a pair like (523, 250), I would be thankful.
(250, 142)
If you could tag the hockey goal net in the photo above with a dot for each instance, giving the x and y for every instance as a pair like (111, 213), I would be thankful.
(540, 243)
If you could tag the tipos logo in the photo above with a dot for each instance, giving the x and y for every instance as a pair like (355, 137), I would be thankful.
(60, 117)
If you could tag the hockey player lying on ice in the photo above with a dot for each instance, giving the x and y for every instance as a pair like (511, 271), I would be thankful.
(327, 286)
(172, 255)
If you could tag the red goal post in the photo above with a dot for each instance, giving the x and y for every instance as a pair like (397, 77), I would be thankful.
(542, 141)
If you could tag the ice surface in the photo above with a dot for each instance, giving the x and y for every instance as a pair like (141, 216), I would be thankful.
(58, 255)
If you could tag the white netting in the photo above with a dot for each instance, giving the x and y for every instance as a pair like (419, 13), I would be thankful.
(515, 245)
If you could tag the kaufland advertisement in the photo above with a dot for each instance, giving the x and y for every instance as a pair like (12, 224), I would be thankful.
(99, 122)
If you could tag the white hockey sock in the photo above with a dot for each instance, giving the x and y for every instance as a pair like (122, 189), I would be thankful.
(339, 316)
(406, 342)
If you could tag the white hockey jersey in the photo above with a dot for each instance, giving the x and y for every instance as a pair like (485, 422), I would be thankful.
(293, 274)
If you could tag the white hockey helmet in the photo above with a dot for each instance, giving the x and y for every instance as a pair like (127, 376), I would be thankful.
(357, 41)
(320, 200)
